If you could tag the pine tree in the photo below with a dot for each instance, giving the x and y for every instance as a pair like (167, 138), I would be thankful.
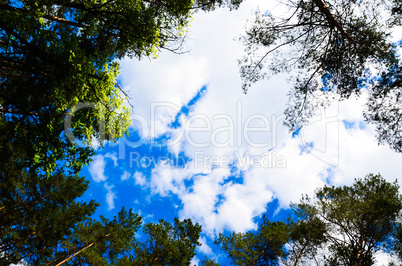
(263, 247)
(334, 49)
(37, 213)
(338, 226)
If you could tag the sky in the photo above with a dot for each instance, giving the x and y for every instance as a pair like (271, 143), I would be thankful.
(200, 148)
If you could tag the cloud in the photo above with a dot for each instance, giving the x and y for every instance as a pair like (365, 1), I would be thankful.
(200, 200)
(242, 203)
(126, 175)
(97, 168)
(140, 179)
(385, 259)
(226, 125)
(228, 198)
(204, 248)
(166, 180)
(113, 157)
(195, 261)
(110, 196)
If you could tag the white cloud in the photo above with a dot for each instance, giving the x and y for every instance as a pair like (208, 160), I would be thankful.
(140, 179)
(126, 175)
(384, 259)
(204, 248)
(165, 180)
(241, 204)
(200, 203)
(110, 196)
(97, 168)
(225, 114)
(113, 157)
(195, 261)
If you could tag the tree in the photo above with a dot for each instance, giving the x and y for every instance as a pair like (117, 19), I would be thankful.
(383, 107)
(55, 230)
(347, 224)
(58, 67)
(307, 235)
(101, 242)
(115, 243)
(263, 247)
(37, 214)
(209, 262)
(58, 54)
(168, 244)
(336, 47)
(361, 218)
(287, 242)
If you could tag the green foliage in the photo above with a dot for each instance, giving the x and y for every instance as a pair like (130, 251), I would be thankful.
(58, 90)
(55, 229)
(58, 54)
(263, 247)
(209, 5)
(365, 214)
(339, 226)
(101, 242)
(353, 222)
(115, 242)
(37, 213)
(169, 244)
(307, 234)
(209, 262)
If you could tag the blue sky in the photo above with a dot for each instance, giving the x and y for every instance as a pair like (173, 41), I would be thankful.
(201, 149)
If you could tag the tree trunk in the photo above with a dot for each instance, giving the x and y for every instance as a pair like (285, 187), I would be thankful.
(299, 256)
(78, 252)
(332, 20)
(359, 251)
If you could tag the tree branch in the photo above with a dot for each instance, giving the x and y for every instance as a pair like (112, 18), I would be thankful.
(16, 112)
(50, 17)
(332, 20)
(78, 252)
